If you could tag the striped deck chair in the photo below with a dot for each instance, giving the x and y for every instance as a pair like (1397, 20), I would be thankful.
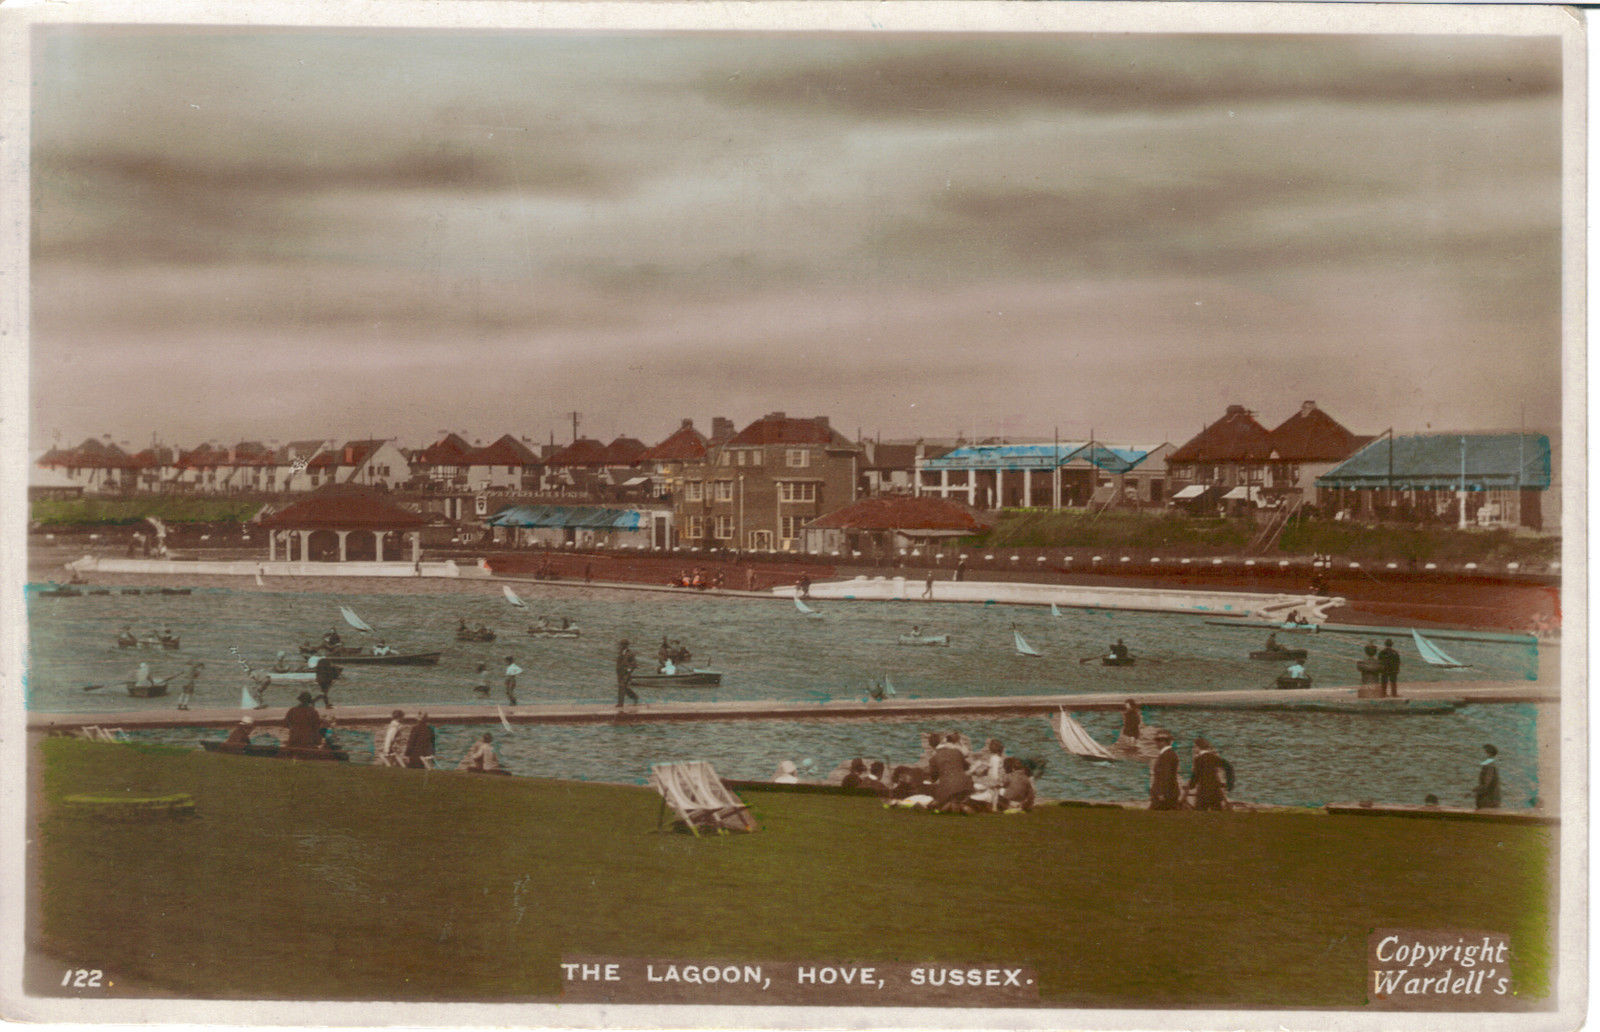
(699, 798)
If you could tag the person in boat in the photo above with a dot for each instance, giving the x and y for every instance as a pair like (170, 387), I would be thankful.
(1018, 792)
(383, 649)
(240, 735)
(1296, 671)
(481, 757)
(1132, 720)
(1272, 643)
(512, 670)
(951, 782)
(186, 689)
(1211, 778)
(1119, 651)
(327, 672)
(280, 665)
(141, 677)
(305, 727)
(461, 626)
(680, 652)
(260, 681)
(126, 638)
(481, 689)
(1164, 791)
(1389, 669)
(566, 624)
(482, 633)
(543, 624)
(663, 656)
(420, 746)
(916, 630)
(331, 640)
(1486, 793)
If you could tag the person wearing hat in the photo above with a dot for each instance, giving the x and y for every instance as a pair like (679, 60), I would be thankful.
(1486, 794)
(1164, 793)
(625, 664)
(419, 747)
(305, 727)
(1389, 669)
(1211, 777)
(240, 735)
(327, 672)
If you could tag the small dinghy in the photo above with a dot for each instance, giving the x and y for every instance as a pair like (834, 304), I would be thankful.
(156, 687)
(681, 679)
(1285, 655)
(408, 659)
(924, 639)
(569, 631)
(1117, 661)
(1288, 683)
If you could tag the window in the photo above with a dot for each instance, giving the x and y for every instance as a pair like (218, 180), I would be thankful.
(724, 491)
(725, 459)
(791, 527)
(724, 528)
(757, 457)
(697, 528)
(742, 457)
(798, 458)
(694, 491)
(797, 491)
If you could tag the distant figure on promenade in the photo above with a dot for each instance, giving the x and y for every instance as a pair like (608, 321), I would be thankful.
(588, 572)
(186, 689)
(1164, 793)
(1486, 794)
(327, 672)
(305, 727)
(961, 569)
(1389, 669)
(419, 747)
(481, 689)
(512, 670)
(481, 757)
(805, 585)
(1132, 721)
(397, 722)
(1211, 778)
(626, 662)
(927, 587)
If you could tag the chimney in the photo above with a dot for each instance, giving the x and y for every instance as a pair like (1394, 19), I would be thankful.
(687, 424)
(721, 428)
(821, 421)
(1236, 410)
(1306, 408)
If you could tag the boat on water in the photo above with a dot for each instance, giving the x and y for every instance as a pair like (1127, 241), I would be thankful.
(398, 659)
(177, 591)
(276, 751)
(681, 679)
(170, 642)
(484, 635)
(157, 687)
(570, 631)
(1284, 655)
(1118, 660)
(924, 639)
(1288, 683)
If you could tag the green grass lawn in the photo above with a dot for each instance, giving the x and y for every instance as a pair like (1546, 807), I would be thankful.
(325, 881)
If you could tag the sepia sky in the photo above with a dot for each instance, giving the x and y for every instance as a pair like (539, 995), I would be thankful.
(275, 235)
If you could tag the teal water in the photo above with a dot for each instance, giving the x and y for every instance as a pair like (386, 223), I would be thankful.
(766, 650)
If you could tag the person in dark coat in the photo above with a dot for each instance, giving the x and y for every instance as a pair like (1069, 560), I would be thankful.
(1211, 777)
(305, 727)
(1486, 794)
(327, 673)
(951, 782)
(625, 666)
(1164, 793)
(419, 747)
(1389, 669)
(1132, 722)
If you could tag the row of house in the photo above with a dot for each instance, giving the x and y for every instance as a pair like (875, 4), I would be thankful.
(761, 487)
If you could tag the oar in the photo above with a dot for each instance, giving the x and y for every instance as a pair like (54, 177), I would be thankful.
(96, 687)
(1088, 659)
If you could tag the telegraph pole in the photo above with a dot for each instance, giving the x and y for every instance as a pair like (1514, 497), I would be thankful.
(575, 416)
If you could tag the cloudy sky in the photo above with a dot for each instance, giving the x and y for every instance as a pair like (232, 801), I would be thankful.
(285, 234)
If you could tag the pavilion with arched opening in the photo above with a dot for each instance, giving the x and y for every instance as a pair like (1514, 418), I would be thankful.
(343, 523)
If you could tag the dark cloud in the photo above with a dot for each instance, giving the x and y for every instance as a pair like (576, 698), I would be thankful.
(983, 77)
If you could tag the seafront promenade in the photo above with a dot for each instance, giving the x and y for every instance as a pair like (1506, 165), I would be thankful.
(834, 709)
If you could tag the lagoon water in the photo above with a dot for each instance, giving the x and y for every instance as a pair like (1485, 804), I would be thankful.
(767, 650)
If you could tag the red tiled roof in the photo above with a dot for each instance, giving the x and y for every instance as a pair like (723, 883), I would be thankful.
(898, 512)
(203, 456)
(507, 451)
(685, 445)
(1311, 435)
(624, 451)
(776, 428)
(345, 507)
(1236, 437)
(585, 451)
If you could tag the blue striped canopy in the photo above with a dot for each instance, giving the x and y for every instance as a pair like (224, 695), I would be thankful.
(587, 517)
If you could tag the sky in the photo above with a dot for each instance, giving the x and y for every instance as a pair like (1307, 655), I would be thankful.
(274, 235)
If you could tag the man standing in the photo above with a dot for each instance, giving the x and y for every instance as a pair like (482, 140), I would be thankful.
(805, 585)
(927, 588)
(326, 673)
(1389, 669)
(419, 747)
(186, 689)
(512, 670)
(625, 664)
(397, 722)
(1486, 793)
(1211, 777)
(1164, 793)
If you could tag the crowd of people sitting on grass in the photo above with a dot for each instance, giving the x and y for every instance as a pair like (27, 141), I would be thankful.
(950, 777)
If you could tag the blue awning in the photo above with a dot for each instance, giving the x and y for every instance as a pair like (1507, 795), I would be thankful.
(1013, 457)
(584, 517)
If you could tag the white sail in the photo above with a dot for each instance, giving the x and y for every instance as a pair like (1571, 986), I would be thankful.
(511, 596)
(888, 687)
(353, 620)
(503, 721)
(1432, 654)
(1023, 648)
(246, 701)
(1075, 740)
(1055, 610)
(804, 608)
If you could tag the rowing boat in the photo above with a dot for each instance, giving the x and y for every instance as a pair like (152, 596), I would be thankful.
(1293, 683)
(688, 679)
(409, 659)
(278, 752)
(553, 632)
(1297, 655)
(924, 639)
(484, 635)
(1117, 661)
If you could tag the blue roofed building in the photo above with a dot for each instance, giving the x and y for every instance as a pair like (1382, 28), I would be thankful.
(1051, 475)
(583, 526)
(1483, 479)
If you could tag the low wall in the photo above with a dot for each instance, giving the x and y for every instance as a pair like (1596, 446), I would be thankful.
(1160, 600)
(251, 567)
